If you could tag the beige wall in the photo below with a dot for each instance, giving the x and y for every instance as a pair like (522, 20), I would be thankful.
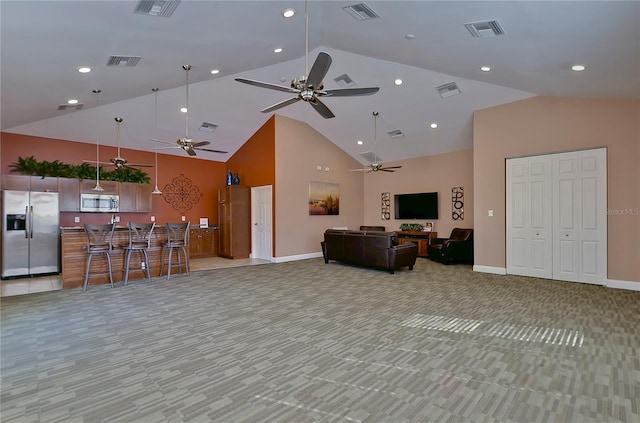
(299, 150)
(547, 125)
(438, 173)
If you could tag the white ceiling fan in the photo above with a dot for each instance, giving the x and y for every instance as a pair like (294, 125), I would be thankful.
(310, 87)
(377, 164)
(186, 143)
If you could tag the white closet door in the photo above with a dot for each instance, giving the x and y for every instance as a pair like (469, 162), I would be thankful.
(579, 216)
(529, 214)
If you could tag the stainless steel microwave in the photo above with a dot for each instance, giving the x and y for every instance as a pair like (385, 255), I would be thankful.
(99, 203)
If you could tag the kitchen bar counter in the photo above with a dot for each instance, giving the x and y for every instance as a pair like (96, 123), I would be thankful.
(73, 256)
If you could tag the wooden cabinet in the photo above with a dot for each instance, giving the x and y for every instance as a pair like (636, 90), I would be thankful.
(135, 197)
(234, 237)
(202, 242)
(69, 190)
(417, 237)
(29, 183)
(110, 187)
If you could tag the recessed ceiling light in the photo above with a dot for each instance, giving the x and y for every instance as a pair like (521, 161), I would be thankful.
(485, 68)
(409, 36)
(183, 109)
(277, 50)
(215, 71)
(360, 142)
(84, 69)
(434, 125)
(398, 81)
(288, 13)
(72, 101)
(578, 68)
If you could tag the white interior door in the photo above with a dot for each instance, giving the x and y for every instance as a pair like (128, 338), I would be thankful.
(261, 226)
(579, 233)
(556, 216)
(529, 226)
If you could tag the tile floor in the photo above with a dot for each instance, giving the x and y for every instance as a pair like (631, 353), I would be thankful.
(11, 287)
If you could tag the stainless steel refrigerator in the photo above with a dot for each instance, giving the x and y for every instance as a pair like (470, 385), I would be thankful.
(30, 233)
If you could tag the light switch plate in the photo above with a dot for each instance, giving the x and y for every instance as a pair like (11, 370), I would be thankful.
(76, 219)
(184, 218)
(490, 213)
(117, 218)
(153, 218)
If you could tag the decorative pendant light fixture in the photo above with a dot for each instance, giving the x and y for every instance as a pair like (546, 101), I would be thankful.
(156, 190)
(97, 187)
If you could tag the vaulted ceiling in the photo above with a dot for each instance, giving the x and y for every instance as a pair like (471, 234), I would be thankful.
(424, 43)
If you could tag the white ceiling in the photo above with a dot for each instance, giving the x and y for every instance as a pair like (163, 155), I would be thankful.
(44, 42)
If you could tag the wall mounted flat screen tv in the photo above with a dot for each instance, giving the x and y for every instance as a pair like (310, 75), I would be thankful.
(423, 205)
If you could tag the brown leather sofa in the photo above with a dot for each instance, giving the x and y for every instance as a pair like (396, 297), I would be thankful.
(368, 248)
(458, 248)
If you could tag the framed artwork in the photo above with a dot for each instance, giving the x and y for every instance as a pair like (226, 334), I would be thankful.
(428, 227)
(385, 199)
(324, 198)
(457, 203)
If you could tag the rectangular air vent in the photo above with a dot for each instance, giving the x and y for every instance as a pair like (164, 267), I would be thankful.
(484, 29)
(77, 106)
(161, 8)
(344, 81)
(361, 12)
(447, 90)
(370, 156)
(123, 61)
(395, 133)
(208, 127)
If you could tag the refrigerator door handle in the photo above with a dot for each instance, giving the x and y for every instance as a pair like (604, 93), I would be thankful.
(31, 222)
(27, 223)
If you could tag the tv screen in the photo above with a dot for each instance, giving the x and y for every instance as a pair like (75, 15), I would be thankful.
(422, 205)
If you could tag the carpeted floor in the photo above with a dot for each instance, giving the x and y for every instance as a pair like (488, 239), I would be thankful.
(307, 341)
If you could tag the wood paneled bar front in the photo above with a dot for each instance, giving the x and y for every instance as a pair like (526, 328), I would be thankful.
(73, 257)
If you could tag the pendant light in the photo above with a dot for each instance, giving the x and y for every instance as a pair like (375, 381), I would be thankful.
(156, 190)
(97, 187)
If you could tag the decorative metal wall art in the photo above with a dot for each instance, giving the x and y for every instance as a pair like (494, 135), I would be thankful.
(385, 199)
(181, 193)
(457, 203)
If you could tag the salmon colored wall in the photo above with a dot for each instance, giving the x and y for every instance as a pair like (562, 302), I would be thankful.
(548, 125)
(206, 175)
(255, 161)
(438, 173)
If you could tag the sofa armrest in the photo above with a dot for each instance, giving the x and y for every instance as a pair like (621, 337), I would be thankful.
(403, 255)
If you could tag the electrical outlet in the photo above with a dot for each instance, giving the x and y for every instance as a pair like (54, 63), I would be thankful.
(490, 213)
(153, 218)
(184, 218)
(117, 218)
(76, 219)
(318, 167)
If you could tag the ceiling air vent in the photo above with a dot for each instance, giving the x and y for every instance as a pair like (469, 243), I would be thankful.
(361, 12)
(447, 90)
(77, 106)
(370, 156)
(395, 133)
(208, 127)
(484, 29)
(159, 8)
(344, 81)
(123, 61)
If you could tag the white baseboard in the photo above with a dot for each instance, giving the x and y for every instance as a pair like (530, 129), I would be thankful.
(490, 269)
(297, 257)
(631, 285)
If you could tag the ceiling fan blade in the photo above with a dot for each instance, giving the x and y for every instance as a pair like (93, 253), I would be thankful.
(280, 105)
(386, 169)
(347, 92)
(162, 142)
(210, 150)
(318, 70)
(268, 85)
(191, 152)
(93, 161)
(134, 165)
(200, 144)
(393, 167)
(322, 109)
(359, 170)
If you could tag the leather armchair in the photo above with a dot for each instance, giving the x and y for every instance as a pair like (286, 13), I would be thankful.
(458, 248)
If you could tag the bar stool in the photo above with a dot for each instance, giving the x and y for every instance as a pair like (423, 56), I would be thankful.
(140, 241)
(177, 239)
(99, 242)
